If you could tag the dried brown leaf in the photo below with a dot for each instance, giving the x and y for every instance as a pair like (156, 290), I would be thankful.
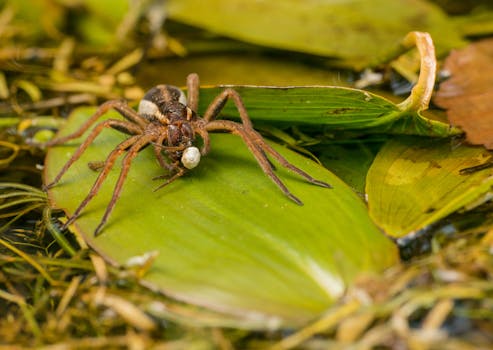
(468, 94)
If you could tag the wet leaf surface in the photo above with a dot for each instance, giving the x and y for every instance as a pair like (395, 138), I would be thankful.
(415, 182)
(468, 94)
(227, 238)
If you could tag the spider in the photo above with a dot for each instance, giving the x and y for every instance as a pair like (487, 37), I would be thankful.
(168, 121)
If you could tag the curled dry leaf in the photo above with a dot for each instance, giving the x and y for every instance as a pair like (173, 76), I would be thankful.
(468, 94)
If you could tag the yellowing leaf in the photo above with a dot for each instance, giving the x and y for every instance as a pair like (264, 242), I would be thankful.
(414, 182)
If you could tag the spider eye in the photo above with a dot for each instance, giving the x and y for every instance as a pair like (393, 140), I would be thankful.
(190, 157)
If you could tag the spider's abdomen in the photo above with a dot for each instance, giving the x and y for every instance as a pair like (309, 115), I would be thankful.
(163, 103)
(162, 95)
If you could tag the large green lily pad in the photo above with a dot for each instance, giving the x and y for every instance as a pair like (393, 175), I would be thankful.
(227, 238)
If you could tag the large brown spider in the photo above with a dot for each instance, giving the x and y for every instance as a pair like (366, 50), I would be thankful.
(168, 121)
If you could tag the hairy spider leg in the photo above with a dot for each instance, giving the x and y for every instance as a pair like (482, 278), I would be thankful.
(259, 149)
(262, 160)
(193, 86)
(141, 142)
(218, 104)
(108, 165)
(158, 147)
(120, 106)
(220, 101)
(179, 173)
(265, 147)
(252, 138)
(206, 146)
(110, 123)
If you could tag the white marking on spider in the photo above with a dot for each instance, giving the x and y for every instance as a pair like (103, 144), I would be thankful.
(148, 107)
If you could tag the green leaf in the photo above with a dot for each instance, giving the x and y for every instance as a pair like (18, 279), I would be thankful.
(101, 26)
(350, 161)
(414, 182)
(328, 108)
(228, 239)
(31, 24)
(360, 33)
(249, 68)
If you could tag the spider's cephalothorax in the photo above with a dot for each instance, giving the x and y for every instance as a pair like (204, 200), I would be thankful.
(165, 107)
(168, 121)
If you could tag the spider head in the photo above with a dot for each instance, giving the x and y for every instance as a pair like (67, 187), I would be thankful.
(180, 134)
